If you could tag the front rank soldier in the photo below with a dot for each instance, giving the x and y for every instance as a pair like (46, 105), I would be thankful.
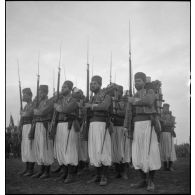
(43, 146)
(145, 149)
(167, 147)
(120, 143)
(27, 149)
(66, 139)
(99, 139)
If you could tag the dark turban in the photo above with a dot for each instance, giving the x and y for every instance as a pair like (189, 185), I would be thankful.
(140, 75)
(166, 105)
(69, 84)
(43, 88)
(27, 91)
(97, 78)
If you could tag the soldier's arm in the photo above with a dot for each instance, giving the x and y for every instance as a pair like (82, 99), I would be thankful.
(104, 106)
(147, 100)
(47, 108)
(70, 107)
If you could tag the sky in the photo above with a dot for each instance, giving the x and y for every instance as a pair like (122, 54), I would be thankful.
(160, 47)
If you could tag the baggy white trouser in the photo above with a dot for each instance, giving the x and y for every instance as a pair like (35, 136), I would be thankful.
(167, 147)
(66, 138)
(142, 157)
(27, 146)
(43, 146)
(95, 143)
(120, 146)
(83, 150)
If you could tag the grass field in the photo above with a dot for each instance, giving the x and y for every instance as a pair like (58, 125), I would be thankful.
(177, 182)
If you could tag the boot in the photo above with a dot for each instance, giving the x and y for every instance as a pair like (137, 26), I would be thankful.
(117, 169)
(37, 175)
(124, 170)
(64, 173)
(46, 173)
(142, 183)
(97, 177)
(151, 186)
(31, 169)
(170, 168)
(25, 170)
(165, 166)
(57, 170)
(71, 175)
(104, 179)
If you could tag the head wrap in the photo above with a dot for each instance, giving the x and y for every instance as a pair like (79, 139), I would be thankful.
(166, 105)
(140, 75)
(148, 79)
(44, 88)
(27, 91)
(97, 78)
(69, 84)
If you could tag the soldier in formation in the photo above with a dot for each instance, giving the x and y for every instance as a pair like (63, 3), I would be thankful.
(27, 149)
(167, 148)
(97, 132)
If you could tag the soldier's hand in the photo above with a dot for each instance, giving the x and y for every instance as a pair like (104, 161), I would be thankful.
(87, 105)
(131, 100)
(126, 132)
(37, 112)
(59, 108)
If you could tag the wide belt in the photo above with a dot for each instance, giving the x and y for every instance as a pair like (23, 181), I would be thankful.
(41, 119)
(142, 117)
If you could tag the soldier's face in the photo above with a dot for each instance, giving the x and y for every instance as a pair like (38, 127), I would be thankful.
(166, 109)
(65, 89)
(42, 94)
(94, 86)
(26, 97)
(139, 84)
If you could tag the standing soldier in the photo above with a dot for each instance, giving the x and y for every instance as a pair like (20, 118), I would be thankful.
(167, 147)
(145, 149)
(99, 140)
(120, 143)
(66, 139)
(27, 151)
(83, 143)
(43, 146)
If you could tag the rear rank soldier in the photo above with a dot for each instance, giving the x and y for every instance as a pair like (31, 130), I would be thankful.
(43, 146)
(99, 140)
(27, 150)
(167, 147)
(66, 139)
(145, 149)
(83, 143)
(120, 143)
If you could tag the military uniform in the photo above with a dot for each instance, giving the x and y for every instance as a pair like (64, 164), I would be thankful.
(145, 148)
(167, 148)
(120, 144)
(27, 146)
(43, 146)
(67, 136)
(99, 139)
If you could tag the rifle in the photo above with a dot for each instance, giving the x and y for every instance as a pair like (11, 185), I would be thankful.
(20, 92)
(32, 130)
(128, 115)
(53, 124)
(85, 123)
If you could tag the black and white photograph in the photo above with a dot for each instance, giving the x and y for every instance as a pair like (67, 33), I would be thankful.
(97, 97)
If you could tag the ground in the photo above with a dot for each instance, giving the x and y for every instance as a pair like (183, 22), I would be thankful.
(177, 182)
